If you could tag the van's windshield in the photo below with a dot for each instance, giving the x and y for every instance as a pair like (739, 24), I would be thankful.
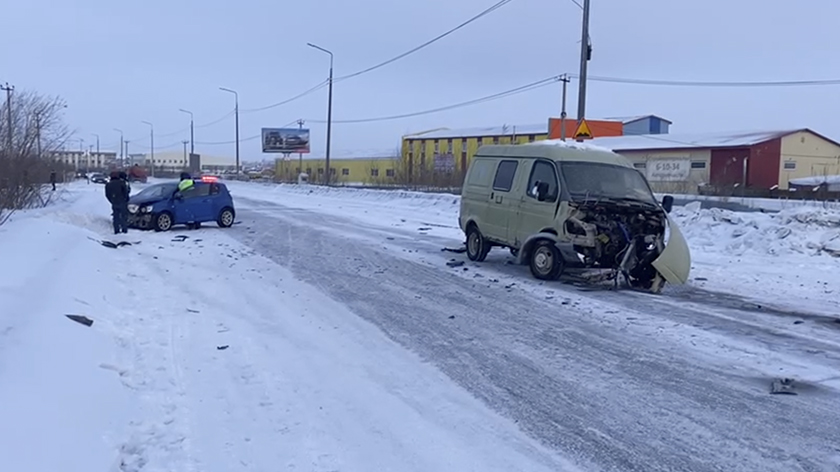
(591, 180)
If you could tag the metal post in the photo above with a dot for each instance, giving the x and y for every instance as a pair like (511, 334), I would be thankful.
(38, 132)
(236, 115)
(563, 113)
(9, 89)
(300, 154)
(186, 161)
(127, 158)
(329, 111)
(122, 147)
(151, 146)
(192, 129)
(585, 53)
(97, 142)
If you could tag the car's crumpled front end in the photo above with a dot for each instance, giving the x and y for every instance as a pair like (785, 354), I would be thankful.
(638, 240)
(140, 215)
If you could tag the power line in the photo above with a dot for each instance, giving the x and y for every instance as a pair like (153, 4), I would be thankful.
(699, 83)
(480, 15)
(495, 96)
(289, 100)
(250, 138)
(323, 84)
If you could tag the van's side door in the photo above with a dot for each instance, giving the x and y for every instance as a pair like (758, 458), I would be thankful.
(534, 215)
(501, 210)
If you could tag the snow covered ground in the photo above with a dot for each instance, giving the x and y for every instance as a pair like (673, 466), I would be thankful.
(787, 259)
(205, 356)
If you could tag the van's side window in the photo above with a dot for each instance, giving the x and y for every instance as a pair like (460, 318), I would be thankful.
(504, 176)
(543, 172)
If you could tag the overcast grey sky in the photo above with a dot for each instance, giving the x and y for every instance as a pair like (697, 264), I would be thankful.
(118, 63)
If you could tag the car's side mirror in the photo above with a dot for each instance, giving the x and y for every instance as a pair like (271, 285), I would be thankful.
(668, 203)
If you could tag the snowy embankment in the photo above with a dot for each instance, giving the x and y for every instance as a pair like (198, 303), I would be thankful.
(787, 257)
(204, 356)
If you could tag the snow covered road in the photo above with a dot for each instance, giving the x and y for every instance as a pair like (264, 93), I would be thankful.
(205, 356)
(615, 381)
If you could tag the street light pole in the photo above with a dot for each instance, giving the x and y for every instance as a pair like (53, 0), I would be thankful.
(9, 89)
(122, 146)
(152, 145)
(192, 130)
(236, 114)
(38, 131)
(585, 55)
(329, 111)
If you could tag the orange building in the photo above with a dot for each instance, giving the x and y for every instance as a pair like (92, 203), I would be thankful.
(599, 128)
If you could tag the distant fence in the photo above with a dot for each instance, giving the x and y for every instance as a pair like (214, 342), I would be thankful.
(751, 192)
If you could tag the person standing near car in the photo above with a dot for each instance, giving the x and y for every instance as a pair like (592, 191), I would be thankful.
(116, 191)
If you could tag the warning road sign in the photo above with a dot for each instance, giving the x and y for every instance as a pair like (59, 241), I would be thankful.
(583, 131)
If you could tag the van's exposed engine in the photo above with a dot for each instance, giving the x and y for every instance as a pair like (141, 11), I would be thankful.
(621, 236)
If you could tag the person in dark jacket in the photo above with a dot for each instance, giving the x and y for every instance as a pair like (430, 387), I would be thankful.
(52, 179)
(116, 191)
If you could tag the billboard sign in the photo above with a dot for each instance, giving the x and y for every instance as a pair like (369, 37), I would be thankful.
(288, 140)
(668, 170)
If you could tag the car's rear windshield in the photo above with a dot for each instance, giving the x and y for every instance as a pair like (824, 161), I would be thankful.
(590, 180)
(158, 190)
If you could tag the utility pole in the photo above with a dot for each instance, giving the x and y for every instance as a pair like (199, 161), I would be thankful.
(565, 79)
(329, 111)
(300, 154)
(186, 161)
(192, 129)
(9, 89)
(127, 156)
(585, 56)
(97, 142)
(236, 115)
(151, 145)
(38, 132)
(122, 146)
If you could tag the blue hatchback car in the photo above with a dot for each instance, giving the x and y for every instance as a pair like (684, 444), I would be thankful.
(162, 206)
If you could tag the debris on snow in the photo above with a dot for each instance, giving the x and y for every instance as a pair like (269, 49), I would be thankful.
(454, 263)
(81, 319)
(783, 386)
(222, 348)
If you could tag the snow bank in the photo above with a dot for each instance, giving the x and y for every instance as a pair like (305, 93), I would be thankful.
(799, 230)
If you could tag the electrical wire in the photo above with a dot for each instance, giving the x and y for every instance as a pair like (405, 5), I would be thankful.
(323, 84)
(495, 96)
(251, 138)
(289, 100)
(699, 83)
(437, 38)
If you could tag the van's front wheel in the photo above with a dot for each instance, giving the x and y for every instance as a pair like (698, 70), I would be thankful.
(546, 262)
(477, 246)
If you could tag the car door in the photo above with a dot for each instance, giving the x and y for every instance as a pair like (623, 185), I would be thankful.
(188, 206)
(201, 203)
(534, 215)
(501, 211)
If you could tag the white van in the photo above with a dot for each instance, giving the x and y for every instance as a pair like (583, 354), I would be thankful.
(560, 205)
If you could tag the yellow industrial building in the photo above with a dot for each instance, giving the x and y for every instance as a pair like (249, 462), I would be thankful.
(368, 167)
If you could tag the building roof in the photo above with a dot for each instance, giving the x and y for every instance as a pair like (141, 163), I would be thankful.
(508, 130)
(645, 142)
(632, 119)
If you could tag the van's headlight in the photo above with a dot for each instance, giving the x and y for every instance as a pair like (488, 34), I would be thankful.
(132, 208)
(146, 209)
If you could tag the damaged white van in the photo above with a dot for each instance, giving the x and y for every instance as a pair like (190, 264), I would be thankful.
(564, 205)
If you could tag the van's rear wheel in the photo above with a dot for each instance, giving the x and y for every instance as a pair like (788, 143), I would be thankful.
(477, 246)
(546, 262)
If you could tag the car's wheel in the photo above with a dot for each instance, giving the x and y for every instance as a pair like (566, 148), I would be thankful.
(226, 217)
(163, 221)
(477, 246)
(545, 261)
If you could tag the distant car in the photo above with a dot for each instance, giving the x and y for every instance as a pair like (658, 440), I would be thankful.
(162, 206)
(98, 178)
(293, 142)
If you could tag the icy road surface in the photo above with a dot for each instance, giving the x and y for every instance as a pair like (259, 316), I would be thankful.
(205, 357)
(615, 381)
